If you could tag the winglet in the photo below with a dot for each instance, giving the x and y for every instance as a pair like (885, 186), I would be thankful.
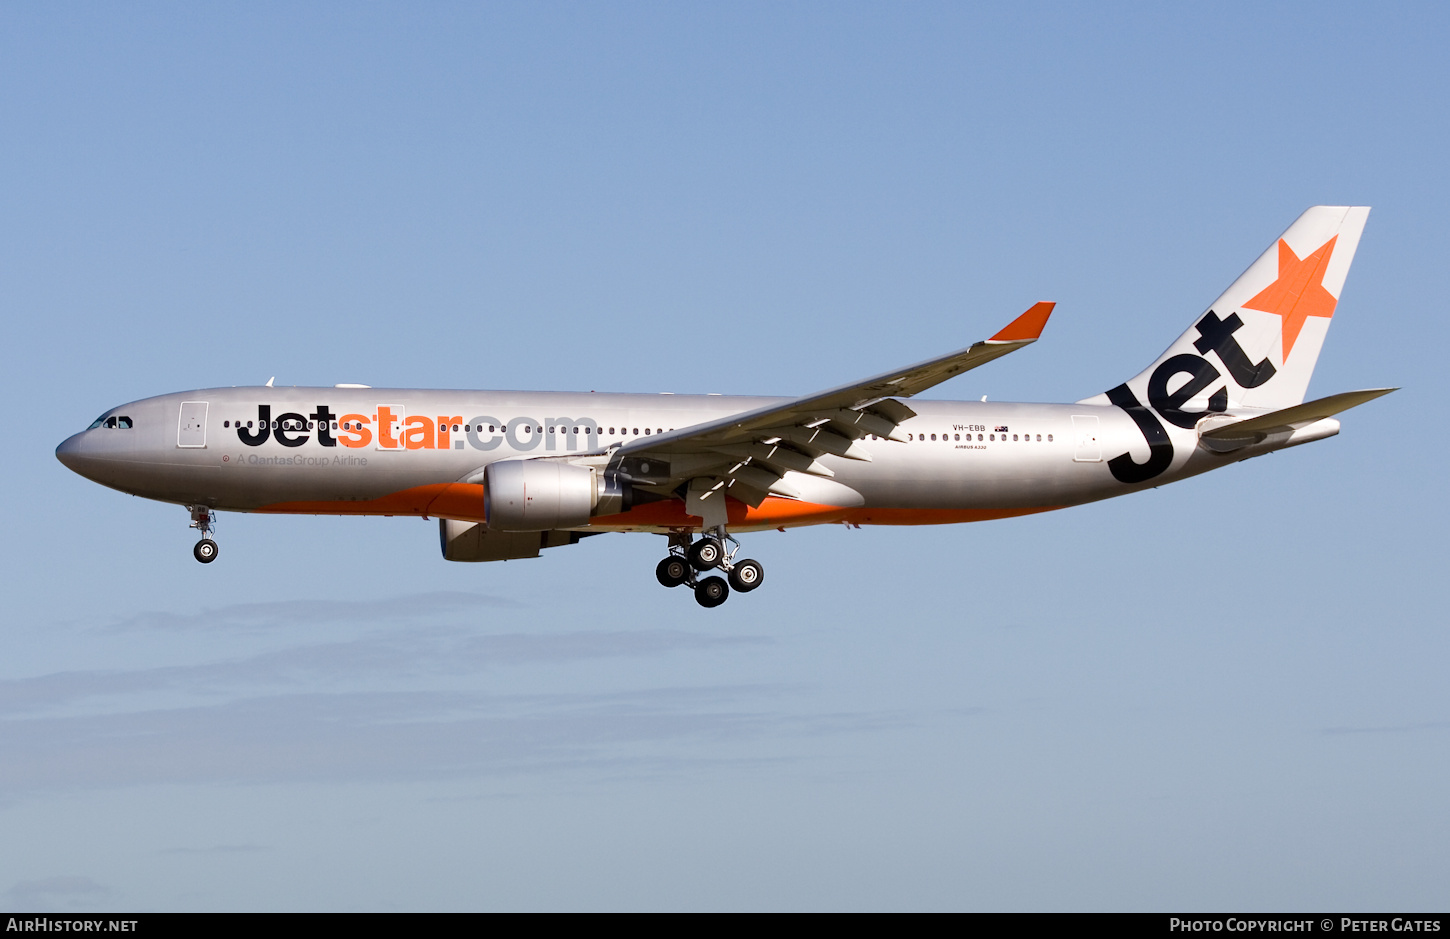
(1026, 327)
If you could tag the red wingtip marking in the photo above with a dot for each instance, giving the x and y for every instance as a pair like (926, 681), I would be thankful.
(1026, 327)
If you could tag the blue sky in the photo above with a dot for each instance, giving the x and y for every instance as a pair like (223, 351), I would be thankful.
(1227, 694)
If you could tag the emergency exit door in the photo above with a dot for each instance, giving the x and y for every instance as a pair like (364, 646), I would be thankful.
(1085, 445)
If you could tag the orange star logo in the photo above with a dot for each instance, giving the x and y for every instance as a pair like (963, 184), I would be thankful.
(1299, 292)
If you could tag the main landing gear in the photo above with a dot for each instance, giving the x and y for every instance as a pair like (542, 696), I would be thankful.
(708, 553)
(202, 519)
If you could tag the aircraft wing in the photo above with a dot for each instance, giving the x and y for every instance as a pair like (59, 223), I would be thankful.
(749, 453)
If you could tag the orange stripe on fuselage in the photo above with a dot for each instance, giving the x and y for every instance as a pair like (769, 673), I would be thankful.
(464, 501)
(449, 500)
(939, 516)
(775, 512)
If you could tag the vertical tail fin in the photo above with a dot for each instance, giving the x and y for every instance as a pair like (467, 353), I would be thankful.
(1256, 345)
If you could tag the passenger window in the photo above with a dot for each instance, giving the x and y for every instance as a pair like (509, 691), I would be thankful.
(1049, 438)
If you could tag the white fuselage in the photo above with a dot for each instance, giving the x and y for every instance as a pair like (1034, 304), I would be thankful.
(412, 452)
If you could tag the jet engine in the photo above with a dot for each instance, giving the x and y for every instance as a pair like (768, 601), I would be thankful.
(542, 495)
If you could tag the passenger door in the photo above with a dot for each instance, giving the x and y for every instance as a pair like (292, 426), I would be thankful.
(191, 425)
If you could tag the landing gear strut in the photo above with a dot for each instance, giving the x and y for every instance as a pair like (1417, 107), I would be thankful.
(710, 551)
(206, 549)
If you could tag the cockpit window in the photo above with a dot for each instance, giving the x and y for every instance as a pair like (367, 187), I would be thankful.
(112, 421)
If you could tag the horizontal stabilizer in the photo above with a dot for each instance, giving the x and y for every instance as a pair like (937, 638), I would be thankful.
(1286, 420)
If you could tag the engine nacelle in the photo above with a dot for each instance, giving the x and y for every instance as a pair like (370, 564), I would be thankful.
(541, 495)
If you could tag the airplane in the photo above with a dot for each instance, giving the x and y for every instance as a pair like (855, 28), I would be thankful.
(510, 474)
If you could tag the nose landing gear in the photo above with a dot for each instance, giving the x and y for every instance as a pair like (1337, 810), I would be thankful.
(708, 553)
(202, 519)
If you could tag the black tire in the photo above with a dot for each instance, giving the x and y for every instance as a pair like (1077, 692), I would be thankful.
(205, 550)
(711, 592)
(706, 554)
(747, 575)
(672, 571)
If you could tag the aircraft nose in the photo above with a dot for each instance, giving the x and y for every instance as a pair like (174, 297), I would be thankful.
(81, 454)
(71, 452)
